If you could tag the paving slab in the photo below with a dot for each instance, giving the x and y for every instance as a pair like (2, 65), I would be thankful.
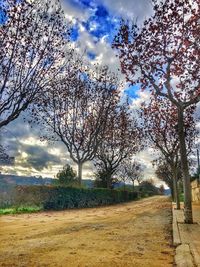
(183, 257)
(195, 254)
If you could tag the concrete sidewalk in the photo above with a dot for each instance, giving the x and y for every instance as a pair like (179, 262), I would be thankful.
(186, 238)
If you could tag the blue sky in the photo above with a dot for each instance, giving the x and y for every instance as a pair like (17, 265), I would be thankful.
(100, 21)
(2, 13)
(98, 25)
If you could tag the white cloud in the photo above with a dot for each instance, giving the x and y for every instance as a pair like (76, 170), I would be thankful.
(134, 9)
(145, 157)
(143, 96)
(30, 140)
(73, 12)
(105, 55)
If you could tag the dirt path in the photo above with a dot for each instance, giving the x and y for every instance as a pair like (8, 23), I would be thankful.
(132, 234)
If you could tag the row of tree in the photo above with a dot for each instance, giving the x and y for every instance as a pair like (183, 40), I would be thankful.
(71, 101)
(164, 57)
(160, 124)
(128, 173)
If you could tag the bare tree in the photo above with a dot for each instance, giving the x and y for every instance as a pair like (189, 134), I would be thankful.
(122, 140)
(32, 40)
(165, 174)
(76, 108)
(131, 171)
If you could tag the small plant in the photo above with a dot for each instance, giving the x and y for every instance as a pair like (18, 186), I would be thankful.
(181, 197)
(22, 209)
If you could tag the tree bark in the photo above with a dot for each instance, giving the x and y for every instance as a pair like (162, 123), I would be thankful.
(80, 167)
(109, 180)
(172, 192)
(176, 193)
(185, 169)
(133, 184)
(175, 185)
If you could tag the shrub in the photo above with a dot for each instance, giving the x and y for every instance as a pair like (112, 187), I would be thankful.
(7, 197)
(104, 179)
(147, 188)
(58, 198)
(66, 176)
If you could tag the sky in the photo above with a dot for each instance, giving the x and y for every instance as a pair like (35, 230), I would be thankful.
(94, 24)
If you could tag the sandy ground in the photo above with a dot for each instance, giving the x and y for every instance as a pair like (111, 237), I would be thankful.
(132, 234)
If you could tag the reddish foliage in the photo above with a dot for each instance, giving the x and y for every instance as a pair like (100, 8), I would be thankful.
(165, 54)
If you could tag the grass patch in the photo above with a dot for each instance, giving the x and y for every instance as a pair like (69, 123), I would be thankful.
(23, 209)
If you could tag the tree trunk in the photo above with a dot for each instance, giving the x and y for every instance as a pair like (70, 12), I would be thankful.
(109, 180)
(175, 185)
(185, 169)
(80, 167)
(176, 192)
(172, 192)
(133, 185)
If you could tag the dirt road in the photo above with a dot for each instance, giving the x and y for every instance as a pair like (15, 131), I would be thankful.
(132, 234)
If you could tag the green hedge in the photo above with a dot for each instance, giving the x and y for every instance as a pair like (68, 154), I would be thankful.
(58, 197)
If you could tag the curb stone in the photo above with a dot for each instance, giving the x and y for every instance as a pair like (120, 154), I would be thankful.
(186, 254)
(176, 233)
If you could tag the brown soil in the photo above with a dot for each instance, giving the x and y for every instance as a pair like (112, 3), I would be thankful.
(132, 234)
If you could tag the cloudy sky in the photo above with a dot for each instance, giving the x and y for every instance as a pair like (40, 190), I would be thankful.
(95, 23)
